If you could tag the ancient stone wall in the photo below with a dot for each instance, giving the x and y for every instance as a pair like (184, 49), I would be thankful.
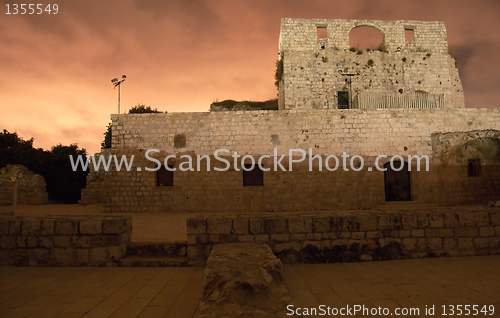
(31, 187)
(63, 240)
(367, 133)
(353, 236)
(311, 65)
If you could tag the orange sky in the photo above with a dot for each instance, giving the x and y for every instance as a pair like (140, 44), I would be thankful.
(181, 55)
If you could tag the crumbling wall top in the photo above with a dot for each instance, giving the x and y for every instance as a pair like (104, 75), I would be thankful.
(301, 34)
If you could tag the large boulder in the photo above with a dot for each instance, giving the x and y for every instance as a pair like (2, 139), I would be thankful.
(31, 187)
(243, 280)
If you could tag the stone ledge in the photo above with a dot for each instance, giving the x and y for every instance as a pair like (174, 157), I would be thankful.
(63, 240)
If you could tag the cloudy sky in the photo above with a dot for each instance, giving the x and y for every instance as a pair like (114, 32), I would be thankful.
(181, 55)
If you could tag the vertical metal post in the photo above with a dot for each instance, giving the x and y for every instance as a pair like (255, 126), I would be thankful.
(119, 99)
(14, 199)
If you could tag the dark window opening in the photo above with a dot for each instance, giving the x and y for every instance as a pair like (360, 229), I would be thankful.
(473, 167)
(321, 32)
(409, 35)
(343, 99)
(254, 176)
(397, 182)
(164, 177)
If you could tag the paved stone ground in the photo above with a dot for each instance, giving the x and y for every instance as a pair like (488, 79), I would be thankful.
(175, 292)
(403, 283)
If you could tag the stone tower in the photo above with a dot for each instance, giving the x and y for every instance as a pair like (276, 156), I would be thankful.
(401, 73)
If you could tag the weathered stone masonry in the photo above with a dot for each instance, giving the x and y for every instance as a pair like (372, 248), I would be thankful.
(353, 236)
(442, 135)
(310, 65)
(63, 240)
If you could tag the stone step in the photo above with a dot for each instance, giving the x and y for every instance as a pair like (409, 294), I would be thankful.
(157, 249)
(151, 261)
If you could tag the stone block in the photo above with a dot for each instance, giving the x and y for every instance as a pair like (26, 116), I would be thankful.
(481, 242)
(246, 238)
(445, 232)
(113, 226)
(388, 222)
(451, 219)
(466, 219)
(409, 221)
(82, 256)
(465, 243)
(47, 227)
(409, 244)
(66, 227)
(287, 246)
(366, 222)
(373, 234)
(275, 225)
(219, 226)
(431, 232)
(61, 240)
(423, 220)
(358, 235)
(4, 226)
(495, 218)
(7, 242)
(97, 255)
(82, 241)
(115, 252)
(466, 232)
(15, 226)
(404, 233)
(62, 256)
(435, 243)
(45, 241)
(261, 238)
(240, 225)
(91, 226)
(301, 224)
(302, 236)
(486, 231)
(449, 243)
(30, 226)
(280, 237)
(97, 241)
(497, 230)
(196, 226)
(31, 241)
(38, 256)
(482, 219)
(256, 225)
(321, 224)
(191, 239)
(21, 241)
(436, 220)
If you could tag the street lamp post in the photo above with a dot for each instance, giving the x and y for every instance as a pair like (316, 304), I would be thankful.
(116, 83)
(350, 75)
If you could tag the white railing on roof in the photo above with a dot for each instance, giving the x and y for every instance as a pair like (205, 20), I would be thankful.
(381, 100)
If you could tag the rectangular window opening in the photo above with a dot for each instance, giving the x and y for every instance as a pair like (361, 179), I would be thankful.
(164, 177)
(321, 32)
(253, 177)
(474, 167)
(409, 35)
(343, 99)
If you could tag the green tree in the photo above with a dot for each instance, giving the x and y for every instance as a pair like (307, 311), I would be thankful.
(63, 184)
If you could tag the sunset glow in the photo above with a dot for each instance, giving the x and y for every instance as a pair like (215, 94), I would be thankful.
(180, 56)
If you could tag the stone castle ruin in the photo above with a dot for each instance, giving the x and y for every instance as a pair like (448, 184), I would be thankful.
(406, 100)
(410, 69)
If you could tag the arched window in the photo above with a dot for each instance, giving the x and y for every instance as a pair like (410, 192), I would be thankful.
(365, 37)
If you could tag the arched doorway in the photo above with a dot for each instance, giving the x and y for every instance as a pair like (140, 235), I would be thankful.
(397, 182)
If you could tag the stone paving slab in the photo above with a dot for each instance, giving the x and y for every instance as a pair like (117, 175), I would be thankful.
(175, 292)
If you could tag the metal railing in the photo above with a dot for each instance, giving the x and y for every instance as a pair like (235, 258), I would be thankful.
(376, 100)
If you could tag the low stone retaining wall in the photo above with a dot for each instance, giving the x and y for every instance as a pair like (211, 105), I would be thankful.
(352, 236)
(63, 240)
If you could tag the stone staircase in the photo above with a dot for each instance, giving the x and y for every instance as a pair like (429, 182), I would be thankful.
(142, 254)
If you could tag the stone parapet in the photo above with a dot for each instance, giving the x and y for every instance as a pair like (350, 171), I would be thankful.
(352, 236)
(63, 240)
